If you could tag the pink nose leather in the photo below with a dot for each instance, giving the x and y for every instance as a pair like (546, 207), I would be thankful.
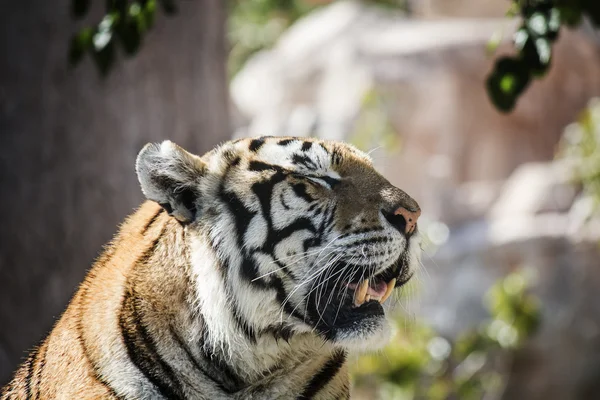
(411, 218)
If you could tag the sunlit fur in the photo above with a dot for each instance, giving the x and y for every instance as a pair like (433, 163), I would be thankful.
(236, 286)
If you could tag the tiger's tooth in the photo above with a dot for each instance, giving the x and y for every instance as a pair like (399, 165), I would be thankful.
(357, 301)
(388, 292)
(368, 297)
(361, 292)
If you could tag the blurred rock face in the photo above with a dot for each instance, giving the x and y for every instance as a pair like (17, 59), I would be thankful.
(485, 175)
(542, 223)
(460, 8)
(430, 78)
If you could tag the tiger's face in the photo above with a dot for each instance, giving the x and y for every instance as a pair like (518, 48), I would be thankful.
(289, 235)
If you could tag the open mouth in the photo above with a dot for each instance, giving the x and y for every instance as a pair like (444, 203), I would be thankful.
(379, 287)
(366, 291)
(359, 302)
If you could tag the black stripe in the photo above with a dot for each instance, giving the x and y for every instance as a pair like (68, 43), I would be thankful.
(306, 146)
(304, 160)
(282, 296)
(281, 331)
(300, 190)
(299, 224)
(285, 142)
(240, 213)
(242, 217)
(332, 182)
(282, 201)
(264, 191)
(256, 144)
(249, 271)
(258, 166)
(167, 207)
(246, 329)
(311, 242)
(336, 157)
(29, 366)
(235, 162)
(277, 235)
(8, 388)
(324, 148)
(242, 323)
(41, 365)
(216, 359)
(324, 376)
(153, 219)
(142, 350)
(95, 372)
(328, 222)
(345, 392)
(224, 378)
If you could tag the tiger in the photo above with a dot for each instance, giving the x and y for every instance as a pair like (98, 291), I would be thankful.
(248, 273)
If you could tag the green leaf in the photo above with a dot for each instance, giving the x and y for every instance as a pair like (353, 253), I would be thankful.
(538, 24)
(554, 23)
(537, 54)
(520, 37)
(544, 50)
(508, 80)
(104, 32)
(149, 12)
(137, 16)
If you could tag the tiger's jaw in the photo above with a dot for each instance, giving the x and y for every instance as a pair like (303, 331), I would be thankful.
(351, 314)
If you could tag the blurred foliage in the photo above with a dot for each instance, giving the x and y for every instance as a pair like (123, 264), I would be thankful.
(580, 145)
(257, 24)
(373, 126)
(533, 41)
(253, 25)
(421, 364)
(125, 22)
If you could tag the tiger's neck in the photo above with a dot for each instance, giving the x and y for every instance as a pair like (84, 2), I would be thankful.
(230, 327)
(271, 361)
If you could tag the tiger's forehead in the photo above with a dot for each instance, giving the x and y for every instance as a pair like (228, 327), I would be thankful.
(300, 154)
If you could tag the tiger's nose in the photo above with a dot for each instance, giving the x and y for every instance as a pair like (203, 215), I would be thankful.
(410, 218)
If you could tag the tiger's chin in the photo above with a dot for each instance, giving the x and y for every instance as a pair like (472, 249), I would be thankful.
(361, 327)
(368, 334)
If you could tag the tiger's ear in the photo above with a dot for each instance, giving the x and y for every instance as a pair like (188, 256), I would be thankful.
(171, 176)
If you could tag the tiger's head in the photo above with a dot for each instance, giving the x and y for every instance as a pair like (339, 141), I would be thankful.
(288, 236)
